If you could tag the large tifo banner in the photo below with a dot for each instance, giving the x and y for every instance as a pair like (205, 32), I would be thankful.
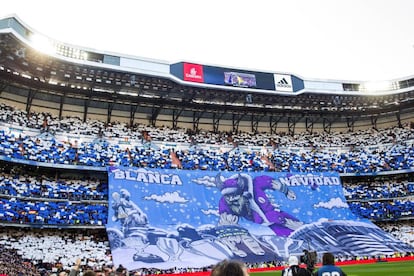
(178, 218)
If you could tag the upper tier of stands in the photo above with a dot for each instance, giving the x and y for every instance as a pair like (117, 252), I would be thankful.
(39, 137)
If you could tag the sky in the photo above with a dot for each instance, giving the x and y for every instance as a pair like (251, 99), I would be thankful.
(360, 40)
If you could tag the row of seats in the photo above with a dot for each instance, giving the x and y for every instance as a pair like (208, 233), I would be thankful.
(143, 146)
(57, 248)
(24, 185)
(98, 154)
(378, 190)
(384, 210)
(74, 125)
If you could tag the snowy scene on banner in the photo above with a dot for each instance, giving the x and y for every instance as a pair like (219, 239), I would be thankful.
(178, 218)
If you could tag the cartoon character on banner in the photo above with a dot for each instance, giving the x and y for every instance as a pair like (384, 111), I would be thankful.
(244, 197)
(127, 212)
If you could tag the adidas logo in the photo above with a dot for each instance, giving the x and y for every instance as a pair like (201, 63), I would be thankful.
(283, 83)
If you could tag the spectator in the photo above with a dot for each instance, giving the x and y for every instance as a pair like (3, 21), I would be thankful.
(328, 266)
(229, 268)
(294, 269)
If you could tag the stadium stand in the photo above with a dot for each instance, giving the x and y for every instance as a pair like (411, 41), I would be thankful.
(64, 121)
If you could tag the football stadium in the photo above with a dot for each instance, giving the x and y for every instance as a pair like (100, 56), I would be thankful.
(128, 165)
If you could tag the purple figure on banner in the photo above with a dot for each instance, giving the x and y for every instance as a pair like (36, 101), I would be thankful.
(245, 197)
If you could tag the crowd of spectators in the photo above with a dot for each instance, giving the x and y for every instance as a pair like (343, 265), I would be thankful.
(12, 263)
(15, 181)
(379, 190)
(379, 198)
(402, 230)
(76, 126)
(98, 145)
(52, 250)
(384, 210)
(41, 199)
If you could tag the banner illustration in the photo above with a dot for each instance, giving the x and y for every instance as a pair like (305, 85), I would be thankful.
(177, 218)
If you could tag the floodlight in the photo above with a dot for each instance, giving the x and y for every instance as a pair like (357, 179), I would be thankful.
(42, 43)
(376, 86)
